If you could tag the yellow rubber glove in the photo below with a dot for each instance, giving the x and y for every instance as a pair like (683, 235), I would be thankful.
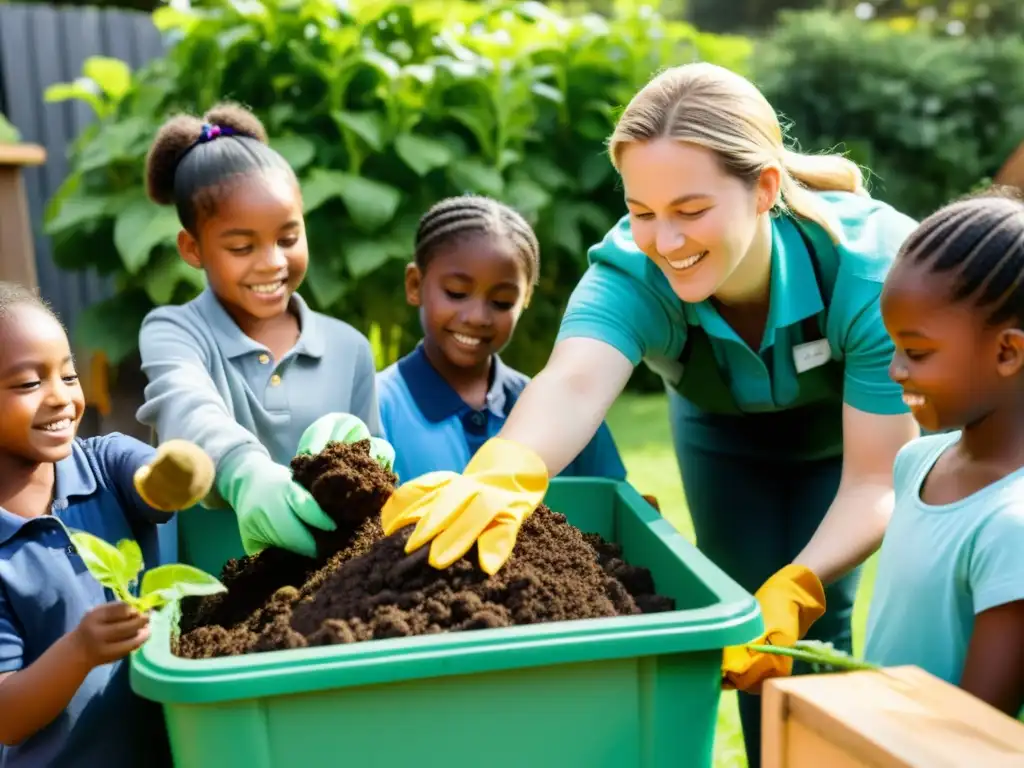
(180, 475)
(791, 601)
(500, 487)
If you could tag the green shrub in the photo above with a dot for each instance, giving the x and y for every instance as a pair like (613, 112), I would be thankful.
(929, 117)
(382, 108)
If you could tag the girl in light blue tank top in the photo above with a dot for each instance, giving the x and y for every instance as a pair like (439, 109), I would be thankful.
(949, 595)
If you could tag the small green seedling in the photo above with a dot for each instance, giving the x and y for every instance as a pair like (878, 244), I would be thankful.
(823, 657)
(118, 569)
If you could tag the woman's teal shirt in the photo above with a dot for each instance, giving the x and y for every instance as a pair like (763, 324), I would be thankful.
(624, 300)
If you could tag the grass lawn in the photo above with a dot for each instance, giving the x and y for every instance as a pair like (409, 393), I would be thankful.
(641, 430)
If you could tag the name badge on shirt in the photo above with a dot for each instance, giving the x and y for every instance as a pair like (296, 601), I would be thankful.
(812, 354)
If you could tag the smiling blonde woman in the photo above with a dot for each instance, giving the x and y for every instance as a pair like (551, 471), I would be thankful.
(748, 276)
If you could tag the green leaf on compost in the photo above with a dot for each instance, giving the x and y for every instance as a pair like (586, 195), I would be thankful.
(383, 452)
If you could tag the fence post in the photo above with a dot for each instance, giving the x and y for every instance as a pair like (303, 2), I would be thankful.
(17, 252)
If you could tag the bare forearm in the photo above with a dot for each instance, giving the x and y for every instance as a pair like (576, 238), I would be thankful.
(851, 530)
(33, 697)
(560, 410)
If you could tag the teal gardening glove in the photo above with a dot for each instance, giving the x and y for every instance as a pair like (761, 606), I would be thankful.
(272, 509)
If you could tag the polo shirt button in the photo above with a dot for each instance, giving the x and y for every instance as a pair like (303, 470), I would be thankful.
(264, 359)
(478, 419)
(275, 380)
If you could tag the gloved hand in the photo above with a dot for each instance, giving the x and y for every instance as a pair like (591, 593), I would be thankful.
(272, 509)
(344, 428)
(179, 476)
(791, 601)
(487, 504)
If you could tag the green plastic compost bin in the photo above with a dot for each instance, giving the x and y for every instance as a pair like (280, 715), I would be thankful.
(622, 692)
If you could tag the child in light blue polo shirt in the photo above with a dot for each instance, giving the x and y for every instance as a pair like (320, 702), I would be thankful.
(65, 697)
(476, 264)
(245, 368)
(949, 595)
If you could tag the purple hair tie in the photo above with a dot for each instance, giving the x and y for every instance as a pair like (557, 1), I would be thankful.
(211, 132)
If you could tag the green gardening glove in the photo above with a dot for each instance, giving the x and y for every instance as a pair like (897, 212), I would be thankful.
(272, 509)
(344, 428)
(332, 428)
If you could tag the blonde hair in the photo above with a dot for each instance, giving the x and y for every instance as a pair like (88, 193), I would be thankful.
(717, 109)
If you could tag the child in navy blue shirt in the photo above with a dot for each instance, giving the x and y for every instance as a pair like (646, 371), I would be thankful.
(65, 697)
(476, 264)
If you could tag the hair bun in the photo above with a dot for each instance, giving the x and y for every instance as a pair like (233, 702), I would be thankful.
(231, 115)
(172, 141)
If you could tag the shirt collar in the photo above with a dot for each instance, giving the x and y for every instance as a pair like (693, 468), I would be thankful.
(795, 293)
(436, 398)
(233, 343)
(73, 477)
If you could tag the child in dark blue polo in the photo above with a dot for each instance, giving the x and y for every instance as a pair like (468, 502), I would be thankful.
(65, 698)
(475, 266)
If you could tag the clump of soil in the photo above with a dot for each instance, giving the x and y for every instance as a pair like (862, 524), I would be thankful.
(362, 585)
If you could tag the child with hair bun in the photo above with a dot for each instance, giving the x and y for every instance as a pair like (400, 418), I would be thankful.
(246, 368)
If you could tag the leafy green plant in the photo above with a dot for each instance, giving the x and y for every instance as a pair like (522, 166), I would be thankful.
(927, 116)
(823, 657)
(383, 107)
(118, 569)
(8, 133)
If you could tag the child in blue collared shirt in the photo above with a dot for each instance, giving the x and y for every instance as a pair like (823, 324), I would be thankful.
(65, 697)
(949, 594)
(476, 264)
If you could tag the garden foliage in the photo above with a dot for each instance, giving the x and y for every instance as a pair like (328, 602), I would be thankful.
(929, 117)
(383, 108)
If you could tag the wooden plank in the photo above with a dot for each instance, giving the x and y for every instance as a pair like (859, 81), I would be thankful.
(900, 718)
(21, 102)
(22, 154)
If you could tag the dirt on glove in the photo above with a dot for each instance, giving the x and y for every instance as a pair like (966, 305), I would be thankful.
(362, 585)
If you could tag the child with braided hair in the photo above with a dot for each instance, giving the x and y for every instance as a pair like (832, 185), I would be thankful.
(246, 370)
(475, 266)
(949, 595)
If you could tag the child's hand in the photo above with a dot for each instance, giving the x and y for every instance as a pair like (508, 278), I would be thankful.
(110, 632)
(180, 475)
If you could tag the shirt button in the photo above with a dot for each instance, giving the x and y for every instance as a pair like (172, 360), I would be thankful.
(264, 359)
(275, 380)
(478, 419)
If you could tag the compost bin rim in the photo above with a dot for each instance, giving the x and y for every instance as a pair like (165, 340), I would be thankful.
(159, 675)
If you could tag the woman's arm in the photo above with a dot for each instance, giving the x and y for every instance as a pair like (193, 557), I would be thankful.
(994, 669)
(853, 527)
(561, 408)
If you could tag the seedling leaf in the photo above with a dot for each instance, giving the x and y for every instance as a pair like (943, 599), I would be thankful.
(131, 553)
(118, 568)
(173, 582)
(105, 561)
(821, 656)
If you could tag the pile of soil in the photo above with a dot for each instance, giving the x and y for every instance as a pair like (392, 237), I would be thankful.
(362, 585)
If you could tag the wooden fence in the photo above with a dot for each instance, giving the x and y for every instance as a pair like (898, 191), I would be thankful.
(39, 46)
